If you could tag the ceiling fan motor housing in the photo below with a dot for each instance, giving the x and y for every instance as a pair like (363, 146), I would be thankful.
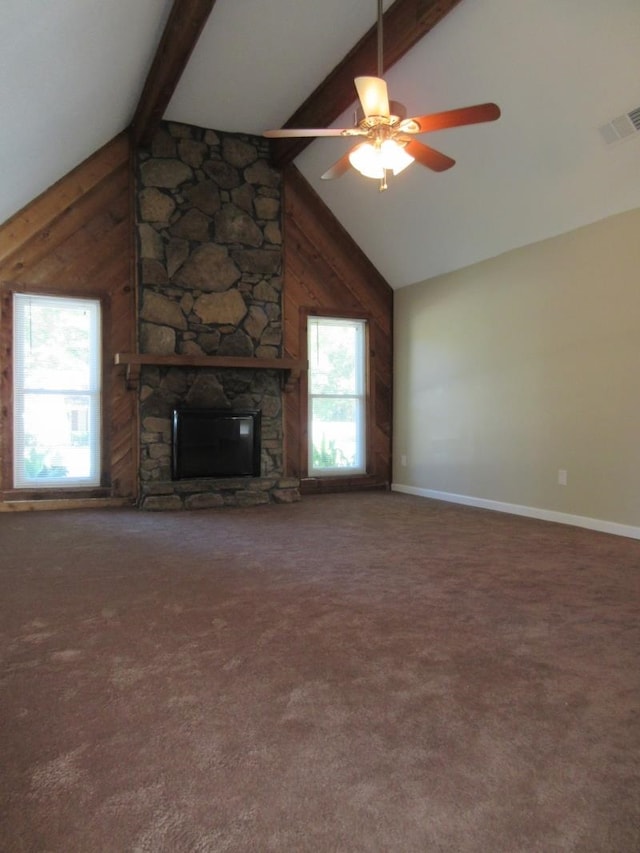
(397, 112)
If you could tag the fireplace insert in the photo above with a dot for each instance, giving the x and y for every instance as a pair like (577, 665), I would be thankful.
(215, 443)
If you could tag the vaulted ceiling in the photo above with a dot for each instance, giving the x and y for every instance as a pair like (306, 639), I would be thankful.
(72, 75)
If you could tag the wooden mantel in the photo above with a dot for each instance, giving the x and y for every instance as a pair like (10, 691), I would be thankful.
(291, 367)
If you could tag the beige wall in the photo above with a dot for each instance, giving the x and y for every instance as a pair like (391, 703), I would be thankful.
(509, 370)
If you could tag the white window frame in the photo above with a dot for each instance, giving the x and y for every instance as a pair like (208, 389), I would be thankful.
(359, 397)
(21, 480)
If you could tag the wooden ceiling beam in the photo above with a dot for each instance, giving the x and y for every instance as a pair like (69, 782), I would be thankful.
(184, 25)
(404, 24)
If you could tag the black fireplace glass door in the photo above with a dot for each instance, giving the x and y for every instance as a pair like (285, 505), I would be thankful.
(215, 443)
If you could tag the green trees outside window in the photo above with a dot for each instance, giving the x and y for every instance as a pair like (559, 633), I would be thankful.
(57, 391)
(337, 396)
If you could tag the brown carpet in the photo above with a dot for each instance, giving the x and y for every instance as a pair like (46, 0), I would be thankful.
(370, 672)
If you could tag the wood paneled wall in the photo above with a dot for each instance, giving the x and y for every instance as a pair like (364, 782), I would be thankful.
(76, 239)
(326, 272)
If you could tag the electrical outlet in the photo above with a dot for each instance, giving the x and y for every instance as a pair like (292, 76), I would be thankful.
(403, 460)
(562, 476)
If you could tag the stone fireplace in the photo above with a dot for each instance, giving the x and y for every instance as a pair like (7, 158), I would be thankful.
(210, 293)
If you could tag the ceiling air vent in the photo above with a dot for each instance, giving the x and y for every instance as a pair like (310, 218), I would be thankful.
(622, 127)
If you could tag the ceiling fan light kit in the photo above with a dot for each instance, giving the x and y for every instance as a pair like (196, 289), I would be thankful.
(373, 160)
(390, 144)
(382, 152)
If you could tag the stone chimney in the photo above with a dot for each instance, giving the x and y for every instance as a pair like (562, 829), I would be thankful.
(210, 263)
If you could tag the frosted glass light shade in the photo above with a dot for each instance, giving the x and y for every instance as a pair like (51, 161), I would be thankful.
(372, 161)
(366, 159)
(394, 156)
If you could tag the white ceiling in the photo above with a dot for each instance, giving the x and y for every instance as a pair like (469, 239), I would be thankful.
(71, 73)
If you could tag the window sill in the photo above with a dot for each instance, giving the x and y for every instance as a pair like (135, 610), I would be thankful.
(15, 502)
(352, 483)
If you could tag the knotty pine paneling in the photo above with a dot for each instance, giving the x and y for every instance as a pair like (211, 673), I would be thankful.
(76, 239)
(325, 271)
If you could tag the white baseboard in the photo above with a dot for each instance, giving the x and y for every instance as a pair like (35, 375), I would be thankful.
(529, 511)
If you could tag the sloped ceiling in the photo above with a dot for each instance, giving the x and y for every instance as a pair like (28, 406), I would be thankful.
(71, 74)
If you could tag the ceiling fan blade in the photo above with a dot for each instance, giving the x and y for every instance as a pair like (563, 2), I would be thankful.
(338, 169)
(450, 118)
(429, 157)
(305, 131)
(373, 95)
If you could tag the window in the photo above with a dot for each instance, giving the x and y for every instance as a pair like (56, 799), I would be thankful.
(56, 364)
(337, 396)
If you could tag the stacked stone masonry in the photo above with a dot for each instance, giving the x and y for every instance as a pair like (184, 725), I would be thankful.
(210, 259)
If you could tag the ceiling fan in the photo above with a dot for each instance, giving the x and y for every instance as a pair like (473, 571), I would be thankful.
(389, 143)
